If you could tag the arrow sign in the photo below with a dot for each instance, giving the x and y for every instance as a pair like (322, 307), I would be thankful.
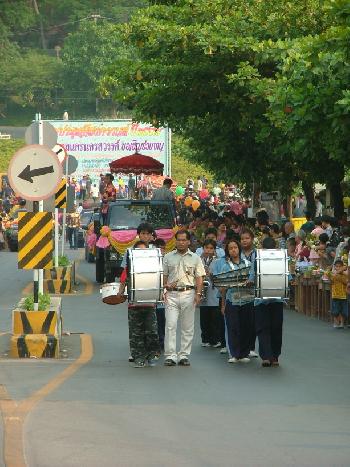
(27, 174)
(35, 172)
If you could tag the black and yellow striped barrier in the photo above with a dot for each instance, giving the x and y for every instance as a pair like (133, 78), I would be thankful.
(34, 345)
(61, 195)
(34, 322)
(59, 272)
(57, 286)
(35, 245)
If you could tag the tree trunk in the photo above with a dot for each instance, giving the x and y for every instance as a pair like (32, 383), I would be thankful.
(42, 32)
(310, 199)
(337, 199)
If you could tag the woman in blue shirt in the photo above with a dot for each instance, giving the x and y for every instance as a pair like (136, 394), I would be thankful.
(235, 304)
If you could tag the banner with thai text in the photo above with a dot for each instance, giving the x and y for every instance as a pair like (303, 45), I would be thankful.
(97, 143)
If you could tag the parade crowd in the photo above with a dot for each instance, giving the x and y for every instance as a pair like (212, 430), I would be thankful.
(217, 236)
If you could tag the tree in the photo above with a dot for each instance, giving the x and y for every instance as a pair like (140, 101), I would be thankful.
(206, 69)
(313, 85)
(7, 150)
(31, 79)
(88, 52)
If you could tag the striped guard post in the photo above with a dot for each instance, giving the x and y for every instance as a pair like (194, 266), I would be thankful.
(35, 244)
(34, 345)
(63, 273)
(61, 195)
(57, 286)
(34, 322)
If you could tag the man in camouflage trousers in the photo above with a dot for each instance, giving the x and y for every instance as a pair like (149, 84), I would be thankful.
(143, 334)
(143, 329)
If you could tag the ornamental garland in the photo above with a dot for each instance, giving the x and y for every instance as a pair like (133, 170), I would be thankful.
(122, 240)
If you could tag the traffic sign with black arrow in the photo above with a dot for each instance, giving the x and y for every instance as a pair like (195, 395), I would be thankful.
(28, 174)
(35, 172)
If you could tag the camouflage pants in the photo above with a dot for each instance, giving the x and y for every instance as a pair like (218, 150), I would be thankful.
(143, 333)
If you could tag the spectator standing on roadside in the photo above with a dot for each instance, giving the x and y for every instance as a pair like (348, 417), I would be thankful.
(199, 185)
(95, 192)
(131, 187)
(309, 225)
(101, 186)
(319, 207)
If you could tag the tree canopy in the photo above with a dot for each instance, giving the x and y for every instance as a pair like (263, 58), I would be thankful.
(258, 87)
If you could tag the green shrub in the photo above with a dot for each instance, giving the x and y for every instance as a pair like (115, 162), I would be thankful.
(44, 302)
(63, 261)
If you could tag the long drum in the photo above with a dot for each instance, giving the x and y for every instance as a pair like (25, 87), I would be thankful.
(145, 267)
(272, 274)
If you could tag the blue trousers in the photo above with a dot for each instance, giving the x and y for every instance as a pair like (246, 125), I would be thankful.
(268, 325)
(239, 329)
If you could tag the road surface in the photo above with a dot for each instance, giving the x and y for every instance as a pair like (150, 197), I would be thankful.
(100, 411)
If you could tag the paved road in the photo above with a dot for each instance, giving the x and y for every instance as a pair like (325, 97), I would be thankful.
(14, 131)
(211, 414)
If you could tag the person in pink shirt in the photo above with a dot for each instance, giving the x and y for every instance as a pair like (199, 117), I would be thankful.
(318, 230)
(236, 208)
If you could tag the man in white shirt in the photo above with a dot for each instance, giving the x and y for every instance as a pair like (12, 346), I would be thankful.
(183, 279)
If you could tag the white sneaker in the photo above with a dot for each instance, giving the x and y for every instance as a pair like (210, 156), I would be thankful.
(205, 344)
(253, 354)
(223, 350)
(217, 345)
(233, 360)
(244, 360)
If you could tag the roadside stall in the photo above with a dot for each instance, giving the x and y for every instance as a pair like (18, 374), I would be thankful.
(312, 294)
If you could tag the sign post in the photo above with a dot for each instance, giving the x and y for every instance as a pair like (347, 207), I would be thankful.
(34, 174)
(60, 202)
(64, 219)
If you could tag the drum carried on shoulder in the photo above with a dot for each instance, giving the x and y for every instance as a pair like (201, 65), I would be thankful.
(145, 275)
(271, 275)
(145, 279)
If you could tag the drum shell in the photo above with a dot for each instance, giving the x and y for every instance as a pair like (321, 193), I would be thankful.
(272, 274)
(110, 294)
(145, 269)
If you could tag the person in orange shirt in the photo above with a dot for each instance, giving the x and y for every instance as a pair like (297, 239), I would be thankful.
(339, 298)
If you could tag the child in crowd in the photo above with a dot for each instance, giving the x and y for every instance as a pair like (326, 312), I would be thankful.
(209, 307)
(339, 297)
(143, 336)
(160, 308)
(2, 237)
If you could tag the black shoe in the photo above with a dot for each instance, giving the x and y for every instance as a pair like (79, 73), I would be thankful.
(184, 362)
(169, 362)
(131, 359)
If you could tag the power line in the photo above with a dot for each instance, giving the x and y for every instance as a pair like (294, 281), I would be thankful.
(95, 17)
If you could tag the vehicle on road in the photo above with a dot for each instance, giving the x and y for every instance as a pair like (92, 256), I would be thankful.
(11, 235)
(85, 220)
(128, 215)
